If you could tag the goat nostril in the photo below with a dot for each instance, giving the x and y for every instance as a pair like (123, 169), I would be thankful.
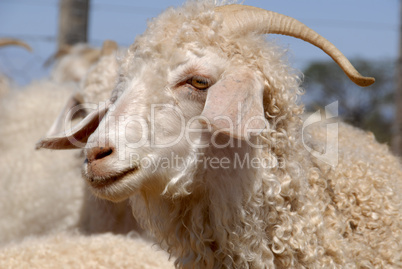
(98, 153)
(103, 152)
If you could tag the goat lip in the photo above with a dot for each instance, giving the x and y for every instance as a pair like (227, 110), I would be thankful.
(103, 182)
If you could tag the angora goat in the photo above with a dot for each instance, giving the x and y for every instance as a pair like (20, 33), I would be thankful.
(204, 134)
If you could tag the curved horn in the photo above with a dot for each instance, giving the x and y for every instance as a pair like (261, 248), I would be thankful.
(10, 41)
(251, 19)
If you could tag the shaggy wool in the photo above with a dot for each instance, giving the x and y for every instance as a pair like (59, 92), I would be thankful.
(76, 251)
(36, 197)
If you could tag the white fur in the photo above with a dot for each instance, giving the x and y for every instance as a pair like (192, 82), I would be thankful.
(46, 187)
(41, 191)
(73, 250)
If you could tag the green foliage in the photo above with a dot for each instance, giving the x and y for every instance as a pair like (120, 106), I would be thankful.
(369, 108)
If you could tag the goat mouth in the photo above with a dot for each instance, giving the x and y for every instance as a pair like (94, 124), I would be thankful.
(98, 182)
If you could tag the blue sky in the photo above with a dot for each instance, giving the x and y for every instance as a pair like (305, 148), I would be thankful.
(366, 29)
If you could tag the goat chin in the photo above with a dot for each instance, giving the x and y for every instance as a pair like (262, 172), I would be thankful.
(113, 188)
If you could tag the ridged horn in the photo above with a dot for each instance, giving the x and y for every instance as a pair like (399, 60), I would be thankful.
(16, 42)
(241, 18)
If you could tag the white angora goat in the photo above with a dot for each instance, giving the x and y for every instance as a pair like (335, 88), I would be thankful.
(203, 133)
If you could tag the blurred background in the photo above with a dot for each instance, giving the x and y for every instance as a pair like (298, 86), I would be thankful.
(366, 31)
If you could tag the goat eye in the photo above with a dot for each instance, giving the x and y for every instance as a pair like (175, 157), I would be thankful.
(199, 83)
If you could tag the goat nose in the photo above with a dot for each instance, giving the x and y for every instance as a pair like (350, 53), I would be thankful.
(98, 153)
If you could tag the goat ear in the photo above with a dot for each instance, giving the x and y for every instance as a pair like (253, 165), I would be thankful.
(78, 135)
(58, 125)
(234, 105)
